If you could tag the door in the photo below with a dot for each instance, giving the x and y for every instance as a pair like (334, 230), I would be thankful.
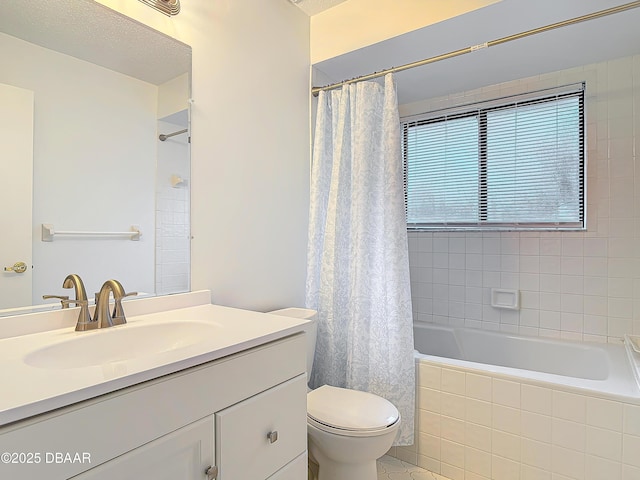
(185, 454)
(16, 165)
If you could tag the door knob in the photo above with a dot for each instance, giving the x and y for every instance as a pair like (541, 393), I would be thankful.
(18, 267)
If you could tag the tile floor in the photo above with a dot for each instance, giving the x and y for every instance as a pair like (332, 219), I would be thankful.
(390, 468)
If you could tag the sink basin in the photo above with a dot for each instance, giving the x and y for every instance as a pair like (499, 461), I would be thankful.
(119, 344)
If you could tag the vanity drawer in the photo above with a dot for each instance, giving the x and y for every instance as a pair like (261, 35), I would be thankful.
(243, 447)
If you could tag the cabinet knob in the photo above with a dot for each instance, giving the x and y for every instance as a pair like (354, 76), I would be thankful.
(273, 436)
(211, 472)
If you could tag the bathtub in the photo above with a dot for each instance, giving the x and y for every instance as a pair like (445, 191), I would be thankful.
(596, 368)
(496, 406)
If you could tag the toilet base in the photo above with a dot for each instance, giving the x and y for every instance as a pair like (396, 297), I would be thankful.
(347, 458)
(326, 469)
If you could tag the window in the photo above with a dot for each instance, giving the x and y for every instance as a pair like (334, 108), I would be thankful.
(515, 163)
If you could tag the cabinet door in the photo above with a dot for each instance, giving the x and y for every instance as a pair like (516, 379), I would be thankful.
(258, 436)
(295, 470)
(181, 455)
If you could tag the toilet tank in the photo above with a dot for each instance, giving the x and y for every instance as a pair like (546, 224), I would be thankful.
(310, 329)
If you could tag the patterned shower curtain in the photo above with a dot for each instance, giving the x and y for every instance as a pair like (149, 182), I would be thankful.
(358, 267)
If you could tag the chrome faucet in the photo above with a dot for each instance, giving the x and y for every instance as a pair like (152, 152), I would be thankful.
(104, 318)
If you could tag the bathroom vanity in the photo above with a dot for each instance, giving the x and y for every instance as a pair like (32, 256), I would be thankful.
(232, 406)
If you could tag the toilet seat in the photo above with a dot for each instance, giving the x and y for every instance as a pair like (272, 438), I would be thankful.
(350, 412)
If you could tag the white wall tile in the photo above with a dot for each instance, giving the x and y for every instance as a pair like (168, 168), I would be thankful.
(406, 455)
(604, 443)
(536, 454)
(599, 468)
(604, 413)
(595, 247)
(536, 427)
(632, 419)
(478, 411)
(506, 445)
(536, 399)
(529, 246)
(451, 472)
(572, 247)
(630, 450)
(452, 405)
(452, 453)
(504, 469)
(429, 399)
(506, 419)
(430, 376)
(506, 393)
(630, 473)
(453, 381)
(550, 265)
(568, 434)
(595, 285)
(428, 463)
(596, 266)
(569, 406)
(429, 445)
(428, 422)
(568, 462)
(478, 387)
(549, 320)
(452, 429)
(528, 472)
(478, 436)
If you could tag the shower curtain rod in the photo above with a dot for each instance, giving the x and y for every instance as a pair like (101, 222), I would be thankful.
(601, 13)
(163, 136)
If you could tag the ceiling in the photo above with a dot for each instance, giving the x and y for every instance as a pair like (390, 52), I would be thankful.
(312, 7)
(588, 42)
(92, 32)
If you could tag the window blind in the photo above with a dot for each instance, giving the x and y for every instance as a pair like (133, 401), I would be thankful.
(513, 163)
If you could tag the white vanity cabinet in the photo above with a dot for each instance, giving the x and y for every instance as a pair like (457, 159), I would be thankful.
(244, 415)
(184, 454)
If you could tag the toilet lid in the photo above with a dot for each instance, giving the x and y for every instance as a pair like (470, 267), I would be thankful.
(350, 409)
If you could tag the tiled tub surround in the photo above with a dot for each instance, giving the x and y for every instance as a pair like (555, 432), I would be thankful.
(574, 285)
(474, 424)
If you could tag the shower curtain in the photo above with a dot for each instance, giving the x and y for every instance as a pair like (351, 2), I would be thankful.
(358, 267)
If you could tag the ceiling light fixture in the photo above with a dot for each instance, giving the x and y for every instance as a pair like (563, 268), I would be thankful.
(168, 7)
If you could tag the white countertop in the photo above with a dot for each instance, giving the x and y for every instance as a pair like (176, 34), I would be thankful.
(30, 390)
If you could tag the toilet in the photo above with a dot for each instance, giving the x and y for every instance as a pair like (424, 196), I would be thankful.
(347, 430)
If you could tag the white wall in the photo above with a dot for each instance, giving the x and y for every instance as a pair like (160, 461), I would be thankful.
(580, 285)
(90, 123)
(250, 145)
(173, 96)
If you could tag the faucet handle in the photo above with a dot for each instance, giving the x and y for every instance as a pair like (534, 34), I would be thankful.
(84, 318)
(81, 303)
(118, 316)
(62, 299)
